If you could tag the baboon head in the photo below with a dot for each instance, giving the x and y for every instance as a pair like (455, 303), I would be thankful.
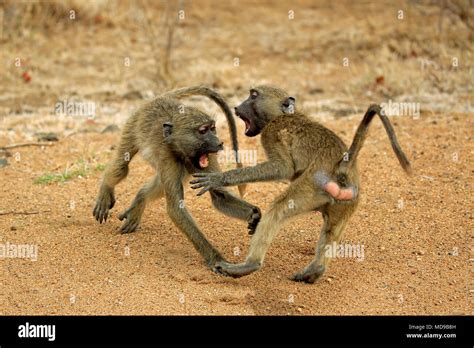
(262, 106)
(192, 137)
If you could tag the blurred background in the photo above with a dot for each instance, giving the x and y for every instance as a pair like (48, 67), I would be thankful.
(335, 56)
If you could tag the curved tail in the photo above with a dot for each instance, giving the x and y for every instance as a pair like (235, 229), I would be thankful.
(217, 98)
(349, 157)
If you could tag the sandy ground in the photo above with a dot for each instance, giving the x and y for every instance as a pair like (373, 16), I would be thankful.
(416, 232)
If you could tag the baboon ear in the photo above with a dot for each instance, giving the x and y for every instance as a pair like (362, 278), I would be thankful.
(288, 105)
(167, 129)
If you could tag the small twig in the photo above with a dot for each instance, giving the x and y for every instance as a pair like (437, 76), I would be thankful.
(12, 146)
(442, 11)
(162, 56)
(82, 131)
(23, 212)
(71, 134)
(153, 38)
(171, 24)
(427, 177)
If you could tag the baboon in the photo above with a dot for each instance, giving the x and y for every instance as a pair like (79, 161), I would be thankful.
(176, 140)
(310, 156)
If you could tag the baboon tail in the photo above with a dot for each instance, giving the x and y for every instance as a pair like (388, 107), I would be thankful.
(361, 133)
(217, 98)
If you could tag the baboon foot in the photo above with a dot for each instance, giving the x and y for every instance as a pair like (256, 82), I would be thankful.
(105, 202)
(309, 275)
(236, 270)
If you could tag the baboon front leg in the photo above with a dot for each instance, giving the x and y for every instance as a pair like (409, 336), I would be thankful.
(104, 202)
(115, 172)
(331, 231)
(296, 200)
(231, 205)
(151, 190)
(184, 221)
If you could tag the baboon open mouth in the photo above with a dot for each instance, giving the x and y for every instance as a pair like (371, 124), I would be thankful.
(245, 119)
(247, 123)
(201, 160)
(204, 160)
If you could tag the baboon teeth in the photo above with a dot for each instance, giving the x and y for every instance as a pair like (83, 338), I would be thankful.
(247, 125)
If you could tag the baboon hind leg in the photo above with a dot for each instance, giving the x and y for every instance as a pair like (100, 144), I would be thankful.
(115, 172)
(150, 191)
(335, 221)
(299, 198)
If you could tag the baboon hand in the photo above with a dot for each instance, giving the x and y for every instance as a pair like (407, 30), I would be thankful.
(207, 181)
(253, 220)
(236, 270)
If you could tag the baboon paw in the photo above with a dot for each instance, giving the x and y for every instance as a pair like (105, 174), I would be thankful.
(236, 270)
(132, 221)
(129, 227)
(303, 277)
(214, 264)
(221, 268)
(254, 220)
(309, 276)
(104, 203)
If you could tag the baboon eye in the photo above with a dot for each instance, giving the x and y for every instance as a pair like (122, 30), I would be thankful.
(213, 128)
(253, 94)
(203, 130)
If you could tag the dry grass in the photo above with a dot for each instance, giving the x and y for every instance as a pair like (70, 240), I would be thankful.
(424, 57)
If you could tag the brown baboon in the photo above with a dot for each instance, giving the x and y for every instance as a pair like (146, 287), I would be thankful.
(176, 140)
(313, 158)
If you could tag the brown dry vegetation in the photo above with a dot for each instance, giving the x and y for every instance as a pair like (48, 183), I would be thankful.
(416, 253)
